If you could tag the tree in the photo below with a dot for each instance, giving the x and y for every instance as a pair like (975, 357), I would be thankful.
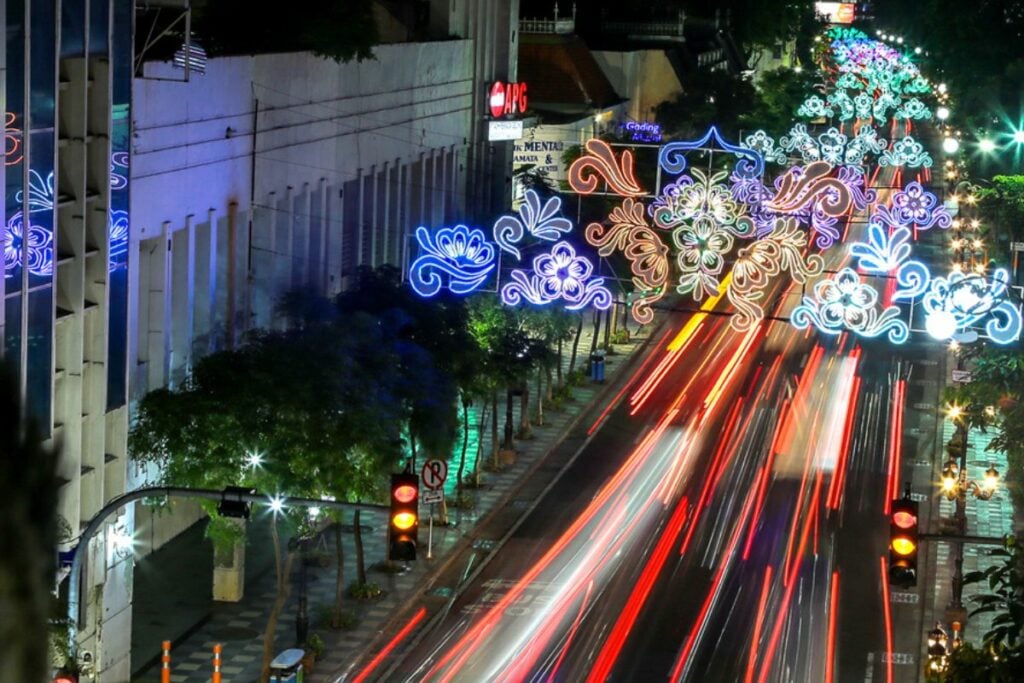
(779, 94)
(283, 413)
(1001, 657)
(708, 97)
(28, 534)
(341, 30)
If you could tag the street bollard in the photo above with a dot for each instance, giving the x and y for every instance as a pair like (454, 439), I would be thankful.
(165, 663)
(216, 662)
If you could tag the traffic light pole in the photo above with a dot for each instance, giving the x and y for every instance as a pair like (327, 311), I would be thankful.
(76, 575)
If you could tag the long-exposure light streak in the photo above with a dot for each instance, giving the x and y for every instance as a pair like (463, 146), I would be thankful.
(723, 563)
(625, 387)
(835, 491)
(705, 497)
(895, 444)
(727, 375)
(752, 659)
(668, 361)
(641, 590)
(833, 618)
(887, 610)
(456, 656)
(808, 459)
(392, 644)
(790, 584)
(691, 325)
(572, 632)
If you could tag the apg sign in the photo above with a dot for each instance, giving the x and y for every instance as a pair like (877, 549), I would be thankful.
(507, 99)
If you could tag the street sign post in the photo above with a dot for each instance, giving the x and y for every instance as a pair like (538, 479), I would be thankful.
(961, 375)
(432, 475)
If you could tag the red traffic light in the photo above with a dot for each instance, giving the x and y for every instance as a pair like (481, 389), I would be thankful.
(404, 493)
(904, 519)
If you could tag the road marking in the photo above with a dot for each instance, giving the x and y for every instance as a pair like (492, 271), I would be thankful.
(904, 597)
(899, 658)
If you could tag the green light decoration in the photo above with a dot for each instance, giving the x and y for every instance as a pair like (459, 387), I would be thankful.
(814, 107)
(907, 152)
(913, 109)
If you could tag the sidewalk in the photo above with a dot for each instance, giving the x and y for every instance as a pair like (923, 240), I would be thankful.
(173, 585)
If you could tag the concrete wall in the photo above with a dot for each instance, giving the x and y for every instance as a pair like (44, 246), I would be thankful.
(276, 171)
(644, 77)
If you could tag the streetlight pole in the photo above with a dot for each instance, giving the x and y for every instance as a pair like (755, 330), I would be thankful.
(76, 575)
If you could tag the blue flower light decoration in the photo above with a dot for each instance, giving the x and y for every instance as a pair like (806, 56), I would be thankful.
(961, 301)
(844, 303)
(558, 275)
(461, 253)
(543, 222)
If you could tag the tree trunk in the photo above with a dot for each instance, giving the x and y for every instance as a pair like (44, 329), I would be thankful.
(547, 371)
(495, 444)
(525, 427)
(339, 575)
(508, 444)
(558, 369)
(360, 558)
(608, 328)
(412, 448)
(540, 396)
(612, 313)
(283, 590)
(597, 331)
(465, 447)
(481, 428)
(575, 343)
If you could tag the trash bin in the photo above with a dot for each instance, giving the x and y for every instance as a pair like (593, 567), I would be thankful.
(287, 667)
(597, 366)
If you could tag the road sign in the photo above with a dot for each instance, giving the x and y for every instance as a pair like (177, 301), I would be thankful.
(961, 375)
(434, 473)
(432, 496)
(1016, 246)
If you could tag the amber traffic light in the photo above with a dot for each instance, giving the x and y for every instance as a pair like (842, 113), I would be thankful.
(404, 521)
(903, 543)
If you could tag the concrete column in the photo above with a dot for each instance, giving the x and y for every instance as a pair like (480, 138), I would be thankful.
(361, 216)
(386, 223)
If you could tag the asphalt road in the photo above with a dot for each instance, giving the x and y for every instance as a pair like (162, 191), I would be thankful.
(725, 521)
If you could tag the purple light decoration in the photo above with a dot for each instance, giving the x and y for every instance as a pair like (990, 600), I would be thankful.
(917, 207)
(558, 275)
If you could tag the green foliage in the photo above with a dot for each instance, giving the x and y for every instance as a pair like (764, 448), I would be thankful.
(28, 538)
(1001, 208)
(364, 591)
(780, 92)
(341, 30)
(315, 645)
(708, 97)
(325, 615)
(1001, 657)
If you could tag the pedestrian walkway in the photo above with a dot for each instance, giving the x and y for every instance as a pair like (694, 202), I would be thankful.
(176, 606)
(992, 518)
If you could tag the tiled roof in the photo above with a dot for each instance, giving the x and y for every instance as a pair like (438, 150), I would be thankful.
(561, 71)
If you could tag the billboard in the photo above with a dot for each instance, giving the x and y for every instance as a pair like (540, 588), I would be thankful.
(836, 12)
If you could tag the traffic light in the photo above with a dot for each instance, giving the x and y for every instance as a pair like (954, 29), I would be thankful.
(404, 521)
(903, 543)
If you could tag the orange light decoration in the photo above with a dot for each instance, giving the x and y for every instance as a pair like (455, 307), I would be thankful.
(12, 141)
(647, 254)
(600, 162)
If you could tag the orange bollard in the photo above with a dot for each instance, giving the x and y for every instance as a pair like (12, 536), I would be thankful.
(216, 662)
(165, 666)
